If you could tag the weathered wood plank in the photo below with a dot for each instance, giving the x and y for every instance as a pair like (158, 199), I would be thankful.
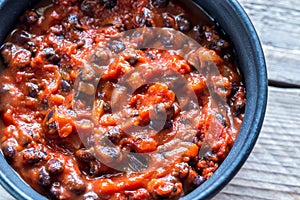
(272, 169)
(278, 26)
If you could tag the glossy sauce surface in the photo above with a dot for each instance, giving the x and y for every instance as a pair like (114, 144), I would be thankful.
(39, 135)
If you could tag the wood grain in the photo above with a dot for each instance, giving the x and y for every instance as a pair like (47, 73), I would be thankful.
(272, 170)
(278, 26)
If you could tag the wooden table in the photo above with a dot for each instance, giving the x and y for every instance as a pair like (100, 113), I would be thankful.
(273, 169)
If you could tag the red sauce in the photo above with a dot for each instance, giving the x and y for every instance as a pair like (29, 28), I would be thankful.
(39, 134)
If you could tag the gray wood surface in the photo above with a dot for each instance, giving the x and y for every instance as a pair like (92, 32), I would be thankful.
(278, 26)
(273, 168)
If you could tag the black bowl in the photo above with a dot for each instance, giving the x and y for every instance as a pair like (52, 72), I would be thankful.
(235, 22)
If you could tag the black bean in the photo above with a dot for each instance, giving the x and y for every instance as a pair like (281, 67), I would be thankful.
(182, 169)
(55, 191)
(134, 113)
(9, 150)
(80, 43)
(107, 107)
(55, 167)
(114, 135)
(94, 168)
(193, 162)
(109, 4)
(84, 155)
(32, 155)
(32, 48)
(149, 55)
(235, 88)
(238, 106)
(51, 55)
(65, 86)
(71, 112)
(107, 152)
(54, 59)
(21, 37)
(166, 40)
(145, 18)
(44, 178)
(100, 58)
(160, 3)
(6, 52)
(140, 19)
(32, 90)
(45, 104)
(183, 24)
(171, 112)
(30, 17)
(208, 154)
(88, 7)
(72, 18)
(223, 44)
(116, 46)
(52, 126)
(133, 58)
(50, 115)
(195, 140)
(142, 89)
(213, 46)
(197, 34)
(76, 184)
(107, 25)
(148, 23)
(201, 135)
(169, 20)
(4, 89)
(72, 22)
(138, 162)
(111, 153)
(199, 180)
(90, 196)
(168, 124)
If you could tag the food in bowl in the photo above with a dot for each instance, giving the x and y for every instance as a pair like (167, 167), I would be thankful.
(62, 157)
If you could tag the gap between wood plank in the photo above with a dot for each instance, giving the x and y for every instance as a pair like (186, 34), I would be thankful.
(281, 84)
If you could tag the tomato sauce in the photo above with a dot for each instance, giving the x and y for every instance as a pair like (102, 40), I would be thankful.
(164, 145)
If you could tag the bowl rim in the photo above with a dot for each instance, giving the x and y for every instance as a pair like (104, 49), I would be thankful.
(12, 182)
(254, 115)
